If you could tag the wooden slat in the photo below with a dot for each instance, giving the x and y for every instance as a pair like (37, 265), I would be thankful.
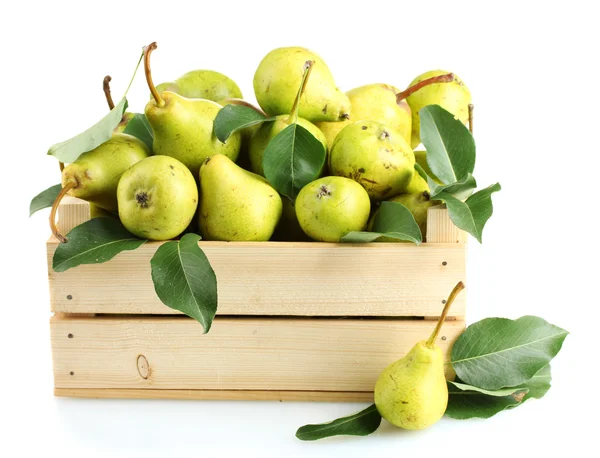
(285, 354)
(220, 395)
(279, 278)
(72, 212)
(441, 229)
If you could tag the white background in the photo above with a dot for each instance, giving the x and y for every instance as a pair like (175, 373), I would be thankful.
(532, 68)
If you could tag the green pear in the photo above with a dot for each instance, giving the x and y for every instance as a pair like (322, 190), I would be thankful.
(157, 198)
(236, 205)
(267, 131)
(421, 159)
(330, 207)
(453, 96)
(411, 393)
(373, 102)
(417, 204)
(94, 176)
(278, 77)
(417, 185)
(203, 84)
(183, 128)
(374, 155)
(97, 212)
(289, 229)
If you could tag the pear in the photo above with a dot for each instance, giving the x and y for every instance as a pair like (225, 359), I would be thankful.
(267, 131)
(94, 176)
(453, 96)
(417, 185)
(203, 84)
(411, 393)
(183, 128)
(157, 198)
(374, 155)
(278, 77)
(236, 205)
(330, 207)
(373, 102)
(421, 159)
(289, 229)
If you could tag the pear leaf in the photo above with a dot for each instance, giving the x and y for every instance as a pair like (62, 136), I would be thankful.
(393, 220)
(469, 402)
(95, 241)
(496, 393)
(139, 127)
(44, 199)
(449, 144)
(362, 423)
(292, 159)
(538, 385)
(232, 118)
(69, 150)
(461, 189)
(472, 214)
(497, 352)
(184, 279)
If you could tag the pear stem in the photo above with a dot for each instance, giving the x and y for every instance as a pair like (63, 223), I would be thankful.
(63, 192)
(61, 165)
(308, 65)
(457, 289)
(243, 103)
(107, 94)
(471, 108)
(446, 78)
(147, 51)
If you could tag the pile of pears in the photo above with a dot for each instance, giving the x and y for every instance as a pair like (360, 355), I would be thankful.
(191, 181)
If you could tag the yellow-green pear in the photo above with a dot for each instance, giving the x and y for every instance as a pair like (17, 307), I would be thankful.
(373, 102)
(289, 229)
(267, 131)
(236, 205)
(411, 393)
(330, 207)
(374, 155)
(94, 176)
(278, 77)
(157, 198)
(417, 185)
(203, 84)
(453, 96)
(183, 128)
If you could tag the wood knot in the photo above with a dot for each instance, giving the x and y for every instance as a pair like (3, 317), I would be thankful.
(143, 367)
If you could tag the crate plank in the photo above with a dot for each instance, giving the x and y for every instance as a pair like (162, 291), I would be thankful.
(279, 278)
(220, 395)
(281, 354)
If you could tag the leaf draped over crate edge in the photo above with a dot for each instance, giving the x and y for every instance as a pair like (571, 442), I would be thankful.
(498, 352)
(139, 127)
(93, 242)
(466, 401)
(232, 118)
(292, 159)
(449, 144)
(361, 423)
(69, 150)
(184, 279)
(472, 214)
(44, 199)
(393, 220)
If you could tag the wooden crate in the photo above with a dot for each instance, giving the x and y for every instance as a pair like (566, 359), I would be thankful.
(296, 321)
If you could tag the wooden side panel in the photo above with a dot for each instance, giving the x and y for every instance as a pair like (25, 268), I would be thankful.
(278, 278)
(220, 395)
(285, 354)
(72, 212)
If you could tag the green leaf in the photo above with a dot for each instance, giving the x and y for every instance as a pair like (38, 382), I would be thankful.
(44, 199)
(139, 127)
(69, 150)
(461, 189)
(232, 118)
(393, 220)
(292, 159)
(449, 144)
(466, 401)
(184, 280)
(497, 352)
(472, 214)
(95, 241)
(538, 385)
(362, 423)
